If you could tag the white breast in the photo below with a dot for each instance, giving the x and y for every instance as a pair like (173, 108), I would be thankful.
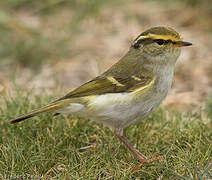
(119, 110)
(122, 109)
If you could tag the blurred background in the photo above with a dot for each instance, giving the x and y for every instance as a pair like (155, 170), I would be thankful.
(53, 46)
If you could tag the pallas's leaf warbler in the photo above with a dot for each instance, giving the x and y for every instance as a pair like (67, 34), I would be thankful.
(130, 90)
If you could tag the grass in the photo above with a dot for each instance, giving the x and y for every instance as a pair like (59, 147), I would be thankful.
(73, 148)
(29, 29)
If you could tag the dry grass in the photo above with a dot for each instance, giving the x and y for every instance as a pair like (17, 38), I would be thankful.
(67, 147)
(53, 46)
(70, 42)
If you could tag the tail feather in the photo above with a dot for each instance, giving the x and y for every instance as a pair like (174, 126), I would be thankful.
(48, 108)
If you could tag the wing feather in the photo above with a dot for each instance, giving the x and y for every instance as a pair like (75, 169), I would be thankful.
(111, 84)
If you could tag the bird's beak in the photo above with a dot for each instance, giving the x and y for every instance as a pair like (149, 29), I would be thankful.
(182, 43)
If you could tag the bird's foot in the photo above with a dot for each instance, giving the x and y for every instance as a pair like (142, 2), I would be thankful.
(146, 161)
(138, 155)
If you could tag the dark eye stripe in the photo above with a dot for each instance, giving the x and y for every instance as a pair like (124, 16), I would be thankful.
(159, 41)
(150, 40)
(142, 41)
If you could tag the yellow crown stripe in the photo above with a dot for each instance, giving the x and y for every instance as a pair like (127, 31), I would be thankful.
(156, 36)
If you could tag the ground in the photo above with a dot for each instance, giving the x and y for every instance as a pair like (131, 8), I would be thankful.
(49, 48)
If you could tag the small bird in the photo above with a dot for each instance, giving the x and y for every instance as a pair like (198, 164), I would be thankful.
(128, 91)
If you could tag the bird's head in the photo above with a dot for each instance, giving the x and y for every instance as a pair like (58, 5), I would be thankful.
(160, 44)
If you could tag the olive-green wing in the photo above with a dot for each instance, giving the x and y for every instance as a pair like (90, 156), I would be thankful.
(111, 84)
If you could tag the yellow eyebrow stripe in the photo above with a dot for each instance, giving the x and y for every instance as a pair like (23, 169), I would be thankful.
(156, 36)
(114, 81)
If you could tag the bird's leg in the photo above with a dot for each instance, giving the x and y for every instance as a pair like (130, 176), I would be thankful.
(138, 155)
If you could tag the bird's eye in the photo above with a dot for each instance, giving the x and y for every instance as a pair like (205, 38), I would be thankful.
(159, 41)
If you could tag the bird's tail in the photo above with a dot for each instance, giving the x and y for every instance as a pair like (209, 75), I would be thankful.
(49, 108)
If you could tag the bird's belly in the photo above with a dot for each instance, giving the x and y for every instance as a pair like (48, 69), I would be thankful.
(123, 109)
(118, 110)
